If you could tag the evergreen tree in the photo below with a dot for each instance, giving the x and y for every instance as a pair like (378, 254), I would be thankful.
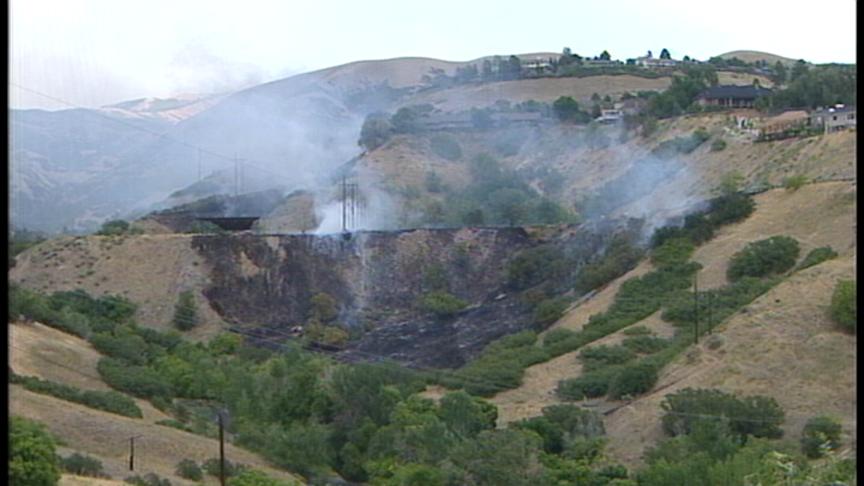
(185, 311)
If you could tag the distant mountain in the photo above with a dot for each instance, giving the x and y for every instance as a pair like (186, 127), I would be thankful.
(753, 56)
(172, 110)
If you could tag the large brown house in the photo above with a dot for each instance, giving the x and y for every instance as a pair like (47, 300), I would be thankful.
(732, 96)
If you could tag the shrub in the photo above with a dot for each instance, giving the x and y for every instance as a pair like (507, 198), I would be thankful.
(446, 146)
(557, 335)
(433, 182)
(441, 303)
(596, 357)
(549, 311)
(819, 434)
(718, 145)
(252, 477)
(149, 479)
(730, 208)
(535, 265)
(32, 457)
(188, 469)
(82, 465)
(793, 183)
(113, 228)
(140, 381)
(185, 311)
(175, 424)
(762, 258)
(620, 257)
(589, 385)
(645, 344)
(637, 331)
(817, 256)
(633, 380)
(672, 251)
(109, 401)
(211, 467)
(758, 416)
(843, 305)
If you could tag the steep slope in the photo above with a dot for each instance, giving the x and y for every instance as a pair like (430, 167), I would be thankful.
(38, 350)
(782, 338)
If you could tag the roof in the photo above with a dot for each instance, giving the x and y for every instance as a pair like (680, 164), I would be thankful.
(834, 109)
(735, 91)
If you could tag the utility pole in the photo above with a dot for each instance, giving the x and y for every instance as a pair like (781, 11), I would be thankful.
(344, 202)
(236, 169)
(710, 311)
(221, 452)
(695, 309)
(132, 452)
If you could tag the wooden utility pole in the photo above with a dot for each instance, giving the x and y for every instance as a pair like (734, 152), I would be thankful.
(695, 309)
(344, 203)
(236, 170)
(710, 311)
(132, 452)
(221, 452)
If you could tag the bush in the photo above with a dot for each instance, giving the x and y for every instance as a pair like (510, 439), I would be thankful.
(645, 344)
(762, 258)
(211, 467)
(188, 469)
(446, 146)
(82, 465)
(109, 401)
(149, 479)
(596, 357)
(718, 145)
(817, 256)
(441, 303)
(633, 380)
(185, 311)
(620, 257)
(672, 251)
(637, 331)
(730, 208)
(113, 228)
(535, 265)
(758, 416)
(549, 311)
(795, 182)
(252, 477)
(140, 381)
(589, 385)
(843, 305)
(819, 434)
(557, 335)
(32, 457)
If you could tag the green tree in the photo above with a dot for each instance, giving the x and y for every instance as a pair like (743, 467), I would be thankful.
(844, 310)
(566, 108)
(730, 183)
(763, 258)
(113, 227)
(819, 435)
(375, 132)
(465, 415)
(509, 205)
(664, 54)
(604, 56)
(32, 456)
(323, 307)
(185, 311)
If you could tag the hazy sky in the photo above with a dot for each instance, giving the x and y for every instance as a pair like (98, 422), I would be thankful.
(97, 52)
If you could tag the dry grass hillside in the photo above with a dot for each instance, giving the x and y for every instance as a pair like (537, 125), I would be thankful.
(782, 345)
(41, 351)
(544, 90)
(753, 56)
(148, 269)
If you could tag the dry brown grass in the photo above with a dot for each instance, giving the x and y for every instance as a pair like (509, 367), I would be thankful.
(105, 436)
(782, 345)
(151, 270)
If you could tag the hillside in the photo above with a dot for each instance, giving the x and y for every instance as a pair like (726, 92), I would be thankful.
(782, 341)
(38, 350)
(753, 56)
